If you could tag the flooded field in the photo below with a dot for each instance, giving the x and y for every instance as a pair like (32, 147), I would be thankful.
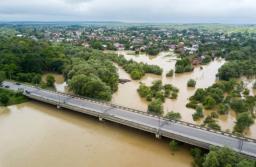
(35, 134)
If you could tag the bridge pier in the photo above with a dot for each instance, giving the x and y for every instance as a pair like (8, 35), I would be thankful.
(100, 119)
(158, 136)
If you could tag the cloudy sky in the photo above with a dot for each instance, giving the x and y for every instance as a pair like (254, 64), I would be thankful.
(172, 11)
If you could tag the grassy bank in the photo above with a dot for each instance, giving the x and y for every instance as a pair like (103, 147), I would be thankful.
(8, 97)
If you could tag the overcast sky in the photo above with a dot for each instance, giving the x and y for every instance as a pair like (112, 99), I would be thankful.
(172, 11)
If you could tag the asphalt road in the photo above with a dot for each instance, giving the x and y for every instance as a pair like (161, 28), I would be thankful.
(184, 132)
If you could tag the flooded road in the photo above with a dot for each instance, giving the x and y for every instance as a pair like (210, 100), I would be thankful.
(35, 134)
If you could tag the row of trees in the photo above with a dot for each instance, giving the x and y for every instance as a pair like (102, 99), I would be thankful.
(136, 70)
(220, 157)
(237, 69)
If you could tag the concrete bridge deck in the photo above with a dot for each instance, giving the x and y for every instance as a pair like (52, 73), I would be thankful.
(178, 130)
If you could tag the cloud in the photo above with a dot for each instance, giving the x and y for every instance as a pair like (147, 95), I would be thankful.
(130, 10)
(76, 1)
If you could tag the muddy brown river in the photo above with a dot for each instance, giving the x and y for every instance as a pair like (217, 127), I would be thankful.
(38, 135)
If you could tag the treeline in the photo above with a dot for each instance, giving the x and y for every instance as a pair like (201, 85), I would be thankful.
(220, 157)
(136, 70)
(223, 96)
(25, 59)
(237, 69)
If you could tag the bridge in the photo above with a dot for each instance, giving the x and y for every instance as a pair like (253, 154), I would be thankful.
(178, 130)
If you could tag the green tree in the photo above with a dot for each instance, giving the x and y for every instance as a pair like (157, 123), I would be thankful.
(198, 114)
(191, 83)
(173, 115)
(90, 86)
(50, 80)
(143, 90)
(37, 79)
(156, 107)
(4, 99)
(223, 109)
(243, 121)
(211, 160)
(170, 73)
(209, 102)
(2, 77)
(173, 145)
(207, 59)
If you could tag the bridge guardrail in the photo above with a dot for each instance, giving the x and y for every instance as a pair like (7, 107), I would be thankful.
(146, 114)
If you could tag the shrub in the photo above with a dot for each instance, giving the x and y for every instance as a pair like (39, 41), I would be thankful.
(50, 80)
(170, 73)
(191, 83)
(198, 114)
(173, 115)
(243, 121)
(156, 107)
(174, 145)
(223, 109)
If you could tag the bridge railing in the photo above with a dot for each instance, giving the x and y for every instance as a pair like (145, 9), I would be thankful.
(147, 114)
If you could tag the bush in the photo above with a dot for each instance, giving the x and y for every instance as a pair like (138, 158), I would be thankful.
(4, 99)
(170, 73)
(191, 83)
(192, 104)
(243, 121)
(144, 91)
(50, 80)
(8, 97)
(156, 107)
(206, 60)
(174, 145)
(239, 105)
(2, 77)
(198, 114)
(209, 102)
(90, 86)
(183, 65)
(136, 74)
(223, 109)
(173, 115)
(174, 95)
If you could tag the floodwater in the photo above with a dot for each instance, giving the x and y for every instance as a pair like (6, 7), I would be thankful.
(36, 134)
(127, 94)
(60, 84)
